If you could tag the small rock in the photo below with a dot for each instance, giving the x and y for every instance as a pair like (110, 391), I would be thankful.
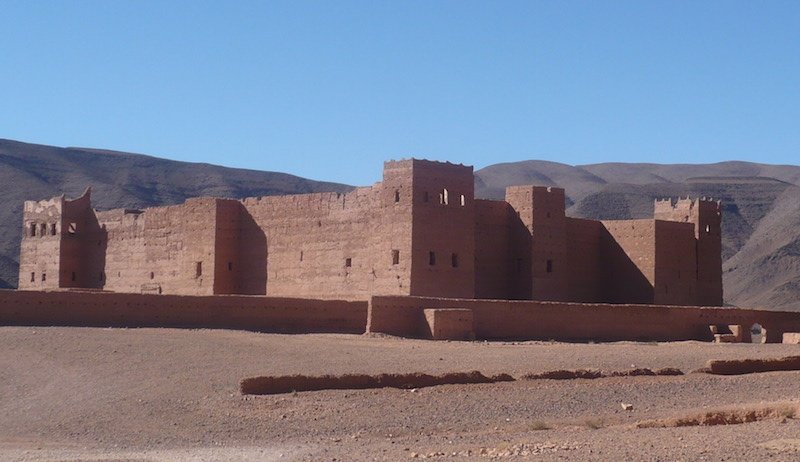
(627, 407)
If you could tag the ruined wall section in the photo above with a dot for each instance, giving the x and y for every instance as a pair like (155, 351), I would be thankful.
(584, 260)
(443, 231)
(628, 253)
(163, 249)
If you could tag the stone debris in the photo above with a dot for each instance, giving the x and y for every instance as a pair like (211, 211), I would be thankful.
(502, 451)
(627, 406)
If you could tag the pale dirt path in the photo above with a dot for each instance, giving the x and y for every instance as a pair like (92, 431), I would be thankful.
(169, 394)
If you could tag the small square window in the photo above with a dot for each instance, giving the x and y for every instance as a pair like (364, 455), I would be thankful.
(395, 257)
(348, 262)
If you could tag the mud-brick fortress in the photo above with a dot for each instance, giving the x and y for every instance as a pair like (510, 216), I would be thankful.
(419, 232)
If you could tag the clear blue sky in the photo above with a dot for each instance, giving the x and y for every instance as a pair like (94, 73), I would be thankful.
(330, 89)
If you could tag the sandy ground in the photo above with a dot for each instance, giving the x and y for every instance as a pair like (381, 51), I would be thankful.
(165, 394)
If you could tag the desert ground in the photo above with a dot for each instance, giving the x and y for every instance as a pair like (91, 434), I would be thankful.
(90, 394)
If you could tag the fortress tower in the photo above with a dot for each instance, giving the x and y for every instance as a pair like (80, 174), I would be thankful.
(706, 216)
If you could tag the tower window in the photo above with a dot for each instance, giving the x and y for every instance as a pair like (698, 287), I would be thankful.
(708, 229)
(463, 201)
(33, 229)
(33, 277)
(397, 195)
(52, 229)
(301, 255)
(43, 229)
(152, 275)
(454, 260)
(431, 258)
(44, 277)
(198, 269)
(348, 262)
(395, 257)
(549, 266)
(443, 197)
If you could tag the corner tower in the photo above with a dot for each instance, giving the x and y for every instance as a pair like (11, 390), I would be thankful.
(442, 221)
(706, 215)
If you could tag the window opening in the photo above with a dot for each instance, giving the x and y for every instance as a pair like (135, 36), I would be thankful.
(708, 229)
(198, 269)
(230, 266)
(431, 258)
(43, 229)
(52, 229)
(463, 201)
(33, 277)
(445, 197)
(348, 262)
(152, 275)
(301, 255)
(397, 195)
(74, 276)
(454, 260)
(33, 229)
(44, 277)
(549, 266)
(395, 257)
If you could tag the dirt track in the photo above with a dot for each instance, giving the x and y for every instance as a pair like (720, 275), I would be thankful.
(166, 394)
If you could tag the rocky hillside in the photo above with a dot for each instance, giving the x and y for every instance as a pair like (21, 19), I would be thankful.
(29, 171)
(761, 212)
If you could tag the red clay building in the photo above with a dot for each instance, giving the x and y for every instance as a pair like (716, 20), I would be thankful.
(418, 232)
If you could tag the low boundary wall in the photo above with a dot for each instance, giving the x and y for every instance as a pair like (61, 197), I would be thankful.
(537, 320)
(108, 309)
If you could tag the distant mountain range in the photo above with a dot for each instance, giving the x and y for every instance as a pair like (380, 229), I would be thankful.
(761, 203)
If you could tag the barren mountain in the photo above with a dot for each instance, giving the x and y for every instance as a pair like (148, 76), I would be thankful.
(761, 212)
(118, 179)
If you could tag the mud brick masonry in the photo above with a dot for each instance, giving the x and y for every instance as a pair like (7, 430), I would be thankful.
(418, 232)
(415, 254)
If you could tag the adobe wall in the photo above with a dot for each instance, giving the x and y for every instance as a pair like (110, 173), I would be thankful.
(103, 309)
(494, 261)
(585, 267)
(158, 250)
(676, 264)
(628, 254)
(540, 320)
